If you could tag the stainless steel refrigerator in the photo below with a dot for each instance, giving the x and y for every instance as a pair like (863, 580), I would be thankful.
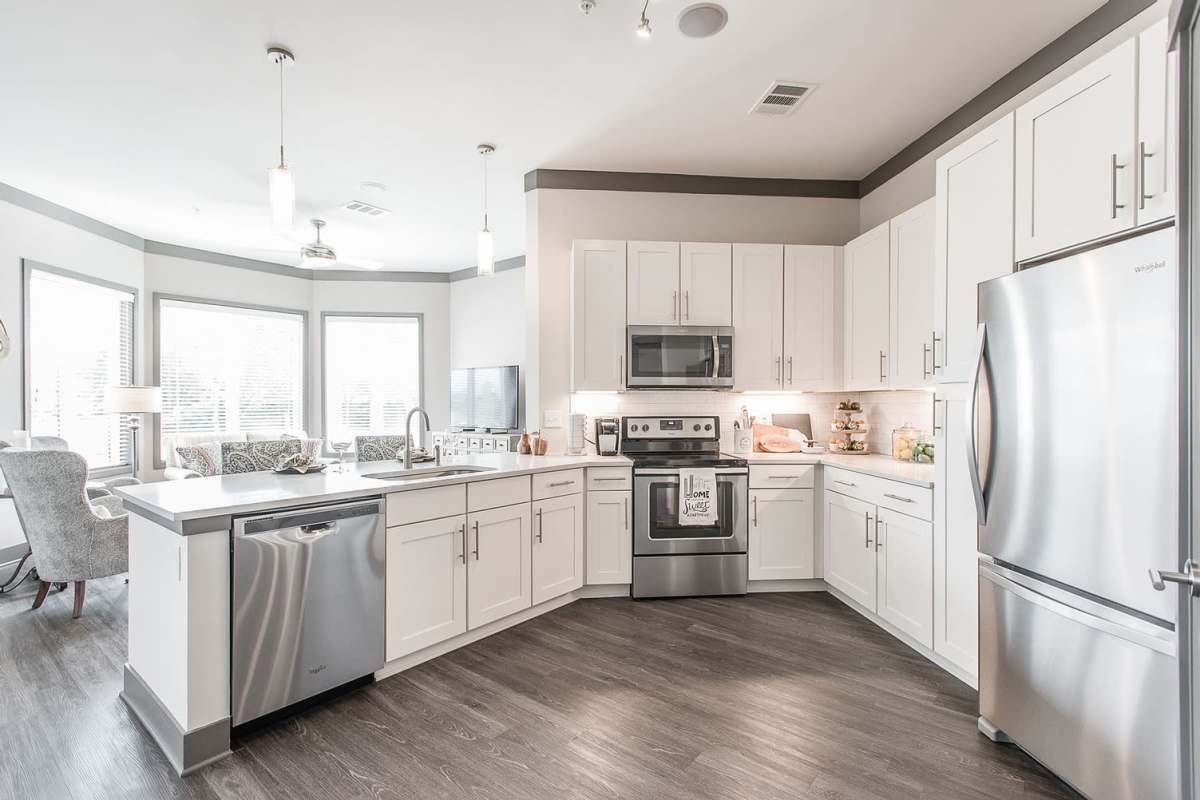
(1075, 421)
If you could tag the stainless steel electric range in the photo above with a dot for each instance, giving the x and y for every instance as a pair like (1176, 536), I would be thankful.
(673, 560)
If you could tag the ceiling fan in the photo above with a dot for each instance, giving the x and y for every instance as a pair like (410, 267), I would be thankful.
(319, 255)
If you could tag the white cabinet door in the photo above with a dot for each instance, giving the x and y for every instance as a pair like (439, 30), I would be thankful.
(653, 283)
(910, 357)
(850, 547)
(597, 316)
(905, 573)
(955, 556)
(866, 309)
(706, 280)
(609, 538)
(1075, 156)
(758, 316)
(973, 241)
(811, 318)
(498, 564)
(1158, 97)
(782, 534)
(557, 546)
(426, 584)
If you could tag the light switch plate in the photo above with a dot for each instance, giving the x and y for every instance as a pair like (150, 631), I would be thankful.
(552, 419)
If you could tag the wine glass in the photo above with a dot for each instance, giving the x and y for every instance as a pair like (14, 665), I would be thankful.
(340, 447)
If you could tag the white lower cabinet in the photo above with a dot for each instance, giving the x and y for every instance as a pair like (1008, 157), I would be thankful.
(498, 563)
(782, 535)
(557, 546)
(904, 561)
(426, 584)
(609, 538)
(850, 547)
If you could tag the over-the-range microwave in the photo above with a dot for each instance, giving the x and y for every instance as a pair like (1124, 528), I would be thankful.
(668, 357)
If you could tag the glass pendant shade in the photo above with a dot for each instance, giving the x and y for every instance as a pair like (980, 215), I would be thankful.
(283, 195)
(486, 254)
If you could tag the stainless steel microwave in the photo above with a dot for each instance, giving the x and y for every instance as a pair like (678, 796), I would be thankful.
(667, 357)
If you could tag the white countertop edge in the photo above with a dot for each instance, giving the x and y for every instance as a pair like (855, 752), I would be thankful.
(876, 464)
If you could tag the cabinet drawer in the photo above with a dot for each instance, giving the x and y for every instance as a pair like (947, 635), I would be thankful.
(556, 484)
(418, 505)
(498, 492)
(609, 479)
(851, 484)
(782, 476)
(916, 501)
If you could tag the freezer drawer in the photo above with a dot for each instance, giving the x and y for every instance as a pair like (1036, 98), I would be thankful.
(1091, 695)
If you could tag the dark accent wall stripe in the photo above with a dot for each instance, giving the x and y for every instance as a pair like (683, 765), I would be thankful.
(1084, 34)
(595, 180)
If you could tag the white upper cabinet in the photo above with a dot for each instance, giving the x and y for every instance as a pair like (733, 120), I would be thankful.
(910, 355)
(867, 309)
(598, 315)
(1158, 92)
(973, 241)
(812, 357)
(653, 283)
(706, 283)
(1076, 170)
(758, 316)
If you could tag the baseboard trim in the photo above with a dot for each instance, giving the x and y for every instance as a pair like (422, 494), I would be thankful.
(187, 751)
(938, 660)
(793, 585)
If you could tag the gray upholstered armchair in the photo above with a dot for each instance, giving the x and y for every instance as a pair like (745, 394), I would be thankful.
(72, 538)
(94, 489)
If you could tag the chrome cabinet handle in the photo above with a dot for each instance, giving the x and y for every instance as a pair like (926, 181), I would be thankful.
(845, 483)
(475, 552)
(867, 529)
(1113, 187)
(926, 372)
(607, 479)
(882, 375)
(754, 502)
(625, 503)
(1190, 577)
(1142, 156)
(878, 538)
(539, 524)
(933, 353)
(462, 530)
(937, 427)
(781, 477)
(898, 497)
(687, 305)
(675, 301)
(789, 369)
(559, 483)
(779, 369)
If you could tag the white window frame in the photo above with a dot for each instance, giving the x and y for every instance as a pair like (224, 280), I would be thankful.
(419, 317)
(28, 267)
(156, 364)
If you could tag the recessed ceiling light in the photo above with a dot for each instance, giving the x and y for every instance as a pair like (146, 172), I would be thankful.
(702, 20)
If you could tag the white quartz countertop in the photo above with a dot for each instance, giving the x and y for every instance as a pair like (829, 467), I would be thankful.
(871, 464)
(199, 498)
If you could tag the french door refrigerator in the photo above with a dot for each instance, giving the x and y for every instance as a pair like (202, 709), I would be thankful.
(1074, 464)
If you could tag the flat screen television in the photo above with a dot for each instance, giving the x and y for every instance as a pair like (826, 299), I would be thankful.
(484, 398)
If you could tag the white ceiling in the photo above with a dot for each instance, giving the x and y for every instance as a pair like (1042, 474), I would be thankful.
(161, 117)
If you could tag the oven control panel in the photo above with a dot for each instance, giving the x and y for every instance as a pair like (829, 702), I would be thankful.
(671, 427)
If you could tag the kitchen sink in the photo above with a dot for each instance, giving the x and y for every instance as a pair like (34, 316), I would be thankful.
(419, 474)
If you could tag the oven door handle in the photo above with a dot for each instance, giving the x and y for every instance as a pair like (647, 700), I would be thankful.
(674, 473)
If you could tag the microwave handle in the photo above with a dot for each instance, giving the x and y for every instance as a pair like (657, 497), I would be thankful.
(716, 358)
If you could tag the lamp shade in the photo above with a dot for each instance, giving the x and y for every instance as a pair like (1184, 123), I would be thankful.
(133, 399)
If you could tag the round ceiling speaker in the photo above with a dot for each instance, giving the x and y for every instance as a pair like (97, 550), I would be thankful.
(702, 20)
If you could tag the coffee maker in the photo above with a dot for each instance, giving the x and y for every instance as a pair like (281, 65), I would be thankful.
(608, 436)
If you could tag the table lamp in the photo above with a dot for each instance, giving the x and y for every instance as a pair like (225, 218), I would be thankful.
(134, 401)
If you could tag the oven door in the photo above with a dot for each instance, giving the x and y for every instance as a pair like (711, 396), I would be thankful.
(666, 357)
(656, 528)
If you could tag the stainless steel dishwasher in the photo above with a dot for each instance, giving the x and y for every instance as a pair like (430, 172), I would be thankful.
(308, 603)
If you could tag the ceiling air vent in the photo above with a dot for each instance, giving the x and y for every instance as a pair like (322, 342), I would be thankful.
(366, 209)
(783, 98)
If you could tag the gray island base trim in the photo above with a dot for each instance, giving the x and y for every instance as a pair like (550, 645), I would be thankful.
(187, 751)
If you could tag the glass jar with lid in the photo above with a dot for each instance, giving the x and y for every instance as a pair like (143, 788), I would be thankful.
(903, 440)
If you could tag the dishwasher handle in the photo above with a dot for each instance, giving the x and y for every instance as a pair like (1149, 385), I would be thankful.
(308, 520)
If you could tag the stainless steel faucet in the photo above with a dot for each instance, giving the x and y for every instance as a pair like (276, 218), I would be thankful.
(408, 433)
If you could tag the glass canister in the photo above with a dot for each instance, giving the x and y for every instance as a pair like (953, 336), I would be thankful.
(903, 440)
(922, 449)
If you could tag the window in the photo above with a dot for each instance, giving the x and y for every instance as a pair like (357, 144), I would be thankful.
(372, 369)
(229, 368)
(80, 343)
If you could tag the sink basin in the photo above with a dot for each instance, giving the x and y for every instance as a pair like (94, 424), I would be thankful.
(419, 474)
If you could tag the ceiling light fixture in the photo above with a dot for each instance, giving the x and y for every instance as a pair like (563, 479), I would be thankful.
(486, 251)
(317, 255)
(281, 184)
(643, 28)
(702, 20)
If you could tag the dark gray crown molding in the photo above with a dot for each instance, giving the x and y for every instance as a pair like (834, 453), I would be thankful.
(516, 262)
(13, 195)
(596, 180)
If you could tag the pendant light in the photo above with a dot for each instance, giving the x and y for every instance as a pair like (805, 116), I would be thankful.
(281, 185)
(643, 28)
(486, 252)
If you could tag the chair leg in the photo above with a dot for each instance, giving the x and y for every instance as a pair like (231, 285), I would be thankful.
(79, 587)
(43, 590)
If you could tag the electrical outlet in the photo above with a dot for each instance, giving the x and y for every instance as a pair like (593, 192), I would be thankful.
(552, 419)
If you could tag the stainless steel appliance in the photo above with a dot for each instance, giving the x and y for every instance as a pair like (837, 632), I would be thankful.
(1073, 425)
(664, 357)
(608, 436)
(673, 560)
(307, 603)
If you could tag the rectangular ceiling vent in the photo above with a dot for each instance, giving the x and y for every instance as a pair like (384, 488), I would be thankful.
(366, 209)
(783, 98)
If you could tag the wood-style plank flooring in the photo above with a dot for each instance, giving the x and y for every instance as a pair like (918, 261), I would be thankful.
(768, 696)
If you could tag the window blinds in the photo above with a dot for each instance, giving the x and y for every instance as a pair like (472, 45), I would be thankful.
(372, 374)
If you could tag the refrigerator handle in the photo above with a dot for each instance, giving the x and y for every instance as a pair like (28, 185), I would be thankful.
(972, 454)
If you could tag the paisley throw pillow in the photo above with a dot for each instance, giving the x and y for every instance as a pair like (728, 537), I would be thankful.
(203, 459)
(240, 457)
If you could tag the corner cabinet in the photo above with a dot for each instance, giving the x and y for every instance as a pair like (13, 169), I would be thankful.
(557, 564)
(597, 315)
